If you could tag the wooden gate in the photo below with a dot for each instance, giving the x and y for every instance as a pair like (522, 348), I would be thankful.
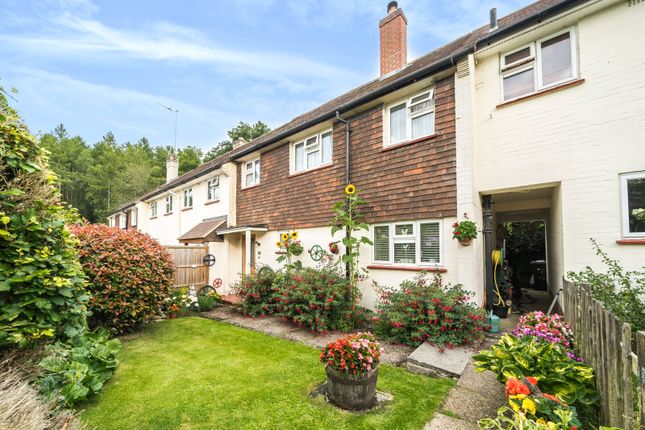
(190, 268)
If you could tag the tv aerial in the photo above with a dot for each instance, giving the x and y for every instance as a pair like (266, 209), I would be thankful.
(175, 111)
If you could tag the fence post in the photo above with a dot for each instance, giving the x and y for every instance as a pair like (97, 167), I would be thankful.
(628, 399)
(640, 348)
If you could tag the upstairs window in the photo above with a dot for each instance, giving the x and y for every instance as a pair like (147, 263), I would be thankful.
(538, 65)
(633, 203)
(312, 152)
(212, 189)
(153, 209)
(169, 204)
(188, 198)
(251, 173)
(407, 243)
(123, 221)
(133, 217)
(410, 119)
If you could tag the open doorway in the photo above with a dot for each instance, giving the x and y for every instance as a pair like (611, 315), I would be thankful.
(526, 253)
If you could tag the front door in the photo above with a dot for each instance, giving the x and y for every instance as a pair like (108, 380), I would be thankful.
(252, 254)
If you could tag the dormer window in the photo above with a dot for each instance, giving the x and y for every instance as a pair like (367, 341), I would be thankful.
(538, 65)
(410, 119)
(312, 152)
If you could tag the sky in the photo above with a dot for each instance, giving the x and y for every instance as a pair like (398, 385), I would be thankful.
(99, 66)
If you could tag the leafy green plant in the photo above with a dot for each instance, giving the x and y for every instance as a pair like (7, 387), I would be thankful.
(620, 291)
(425, 310)
(508, 419)
(42, 291)
(314, 299)
(129, 274)
(79, 367)
(289, 246)
(208, 300)
(349, 219)
(570, 381)
(257, 292)
(464, 230)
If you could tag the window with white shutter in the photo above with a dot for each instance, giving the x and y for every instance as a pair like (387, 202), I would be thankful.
(416, 243)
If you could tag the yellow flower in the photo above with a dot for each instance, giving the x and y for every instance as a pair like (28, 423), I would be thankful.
(294, 235)
(285, 237)
(515, 406)
(278, 244)
(350, 190)
(528, 405)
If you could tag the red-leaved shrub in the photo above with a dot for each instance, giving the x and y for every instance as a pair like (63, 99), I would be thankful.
(129, 275)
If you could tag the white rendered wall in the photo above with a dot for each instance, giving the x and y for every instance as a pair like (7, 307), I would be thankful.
(582, 137)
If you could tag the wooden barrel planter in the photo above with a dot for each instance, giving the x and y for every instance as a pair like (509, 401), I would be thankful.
(351, 392)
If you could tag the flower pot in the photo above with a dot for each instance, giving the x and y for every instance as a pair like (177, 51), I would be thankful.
(465, 242)
(350, 391)
(296, 250)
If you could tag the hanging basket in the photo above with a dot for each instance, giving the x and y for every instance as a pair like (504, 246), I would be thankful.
(465, 242)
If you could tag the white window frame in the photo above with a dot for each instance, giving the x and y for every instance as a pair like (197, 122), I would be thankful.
(624, 203)
(534, 61)
(153, 209)
(133, 217)
(169, 204)
(188, 198)
(255, 171)
(212, 191)
(415, 236)
(123, 221)
(318, 137)
(408, 117)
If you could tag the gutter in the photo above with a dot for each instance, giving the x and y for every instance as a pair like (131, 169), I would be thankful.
(432, 69)
(347, 153)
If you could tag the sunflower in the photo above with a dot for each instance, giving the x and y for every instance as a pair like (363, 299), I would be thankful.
(278, 244)
(350, 190)
(285, 237)
(294, 235)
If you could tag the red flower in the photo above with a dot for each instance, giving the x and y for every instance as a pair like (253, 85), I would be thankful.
(457, 233)
(514, 387)
(532, 380)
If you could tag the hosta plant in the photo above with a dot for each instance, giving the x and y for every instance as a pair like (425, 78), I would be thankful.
(556, 373)
(355, 354)
(75, 369)
(426, 310)
(508, 419)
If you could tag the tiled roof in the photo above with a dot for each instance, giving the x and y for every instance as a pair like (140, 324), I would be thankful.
(203, 229)
(441, 58)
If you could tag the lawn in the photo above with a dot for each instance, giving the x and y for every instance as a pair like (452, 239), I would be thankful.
(194, 373)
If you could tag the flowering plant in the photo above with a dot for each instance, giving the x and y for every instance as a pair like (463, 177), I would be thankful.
(639, 213)
(551, 328)
(464, 230)
(356, 354)
(290, 245)
(180, 300)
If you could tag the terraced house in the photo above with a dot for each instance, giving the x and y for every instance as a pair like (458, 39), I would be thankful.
(537, 115)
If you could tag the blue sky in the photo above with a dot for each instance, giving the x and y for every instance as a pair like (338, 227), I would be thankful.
(99, 66)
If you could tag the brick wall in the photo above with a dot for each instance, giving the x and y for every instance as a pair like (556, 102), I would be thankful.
(393, 41)
(412, 181)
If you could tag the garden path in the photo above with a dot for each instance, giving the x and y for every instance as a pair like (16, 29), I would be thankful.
(393, 353)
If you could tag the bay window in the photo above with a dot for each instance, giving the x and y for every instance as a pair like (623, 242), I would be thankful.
(407, 243)
(538, 65)
(410, 119)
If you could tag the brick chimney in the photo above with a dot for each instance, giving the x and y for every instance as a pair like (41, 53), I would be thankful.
(394, 41)
(172, 166)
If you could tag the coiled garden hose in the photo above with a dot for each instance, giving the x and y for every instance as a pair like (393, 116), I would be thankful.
(497, 258)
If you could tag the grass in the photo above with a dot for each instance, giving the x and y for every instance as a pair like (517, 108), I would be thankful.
(194, 373)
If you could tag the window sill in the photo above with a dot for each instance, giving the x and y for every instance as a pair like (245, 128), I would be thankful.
(167, 213)
(210, 202)
(250, 187)
(548, 90)
(187, 209)
(153, 217)
(409, 268)
(304, 172)
(408, 142)
(634, 241)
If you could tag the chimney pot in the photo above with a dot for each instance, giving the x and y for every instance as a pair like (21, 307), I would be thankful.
(393, 38)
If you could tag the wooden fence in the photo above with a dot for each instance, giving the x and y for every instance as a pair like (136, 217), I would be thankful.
(606, 345)
(190, 268)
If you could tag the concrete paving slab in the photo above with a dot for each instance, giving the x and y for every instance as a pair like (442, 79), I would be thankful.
(443, 422)
(472, 406)
(483, 382)
(450, 362)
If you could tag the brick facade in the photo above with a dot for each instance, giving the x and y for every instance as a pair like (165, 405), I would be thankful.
(411, 181)
(393, 41)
